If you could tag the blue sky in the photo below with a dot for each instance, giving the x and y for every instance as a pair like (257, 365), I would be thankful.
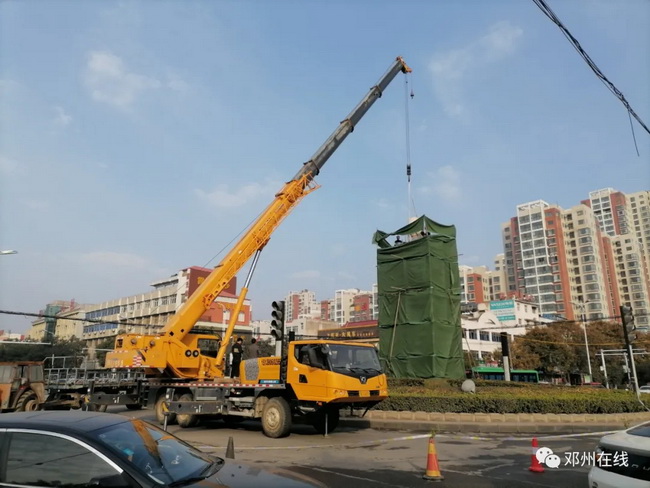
(139, 138)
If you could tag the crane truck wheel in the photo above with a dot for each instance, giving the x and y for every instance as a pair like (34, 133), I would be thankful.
(318, 420)
(186, 420)
(93, 407)
(276, 418)
(160, 409)
(28, 402)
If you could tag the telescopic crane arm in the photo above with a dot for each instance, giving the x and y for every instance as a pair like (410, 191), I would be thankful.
(285, 200)
(254, 240)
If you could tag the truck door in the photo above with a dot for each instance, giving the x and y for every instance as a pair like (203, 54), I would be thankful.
(308, 373)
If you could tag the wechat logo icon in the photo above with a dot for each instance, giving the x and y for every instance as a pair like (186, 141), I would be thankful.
(545, 456)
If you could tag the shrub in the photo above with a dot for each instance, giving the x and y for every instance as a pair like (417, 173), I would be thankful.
(570, 403)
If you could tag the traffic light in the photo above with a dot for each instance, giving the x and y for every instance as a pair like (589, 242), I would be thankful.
(277, 320)
(627, 317)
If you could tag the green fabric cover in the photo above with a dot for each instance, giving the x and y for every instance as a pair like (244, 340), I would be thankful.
(419, 302)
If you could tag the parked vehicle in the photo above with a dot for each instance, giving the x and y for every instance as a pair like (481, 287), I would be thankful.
(644, 389)
(623, 460)
(63, 448)
(22, 387)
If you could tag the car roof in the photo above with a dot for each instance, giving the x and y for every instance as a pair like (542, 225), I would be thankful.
(61, 421)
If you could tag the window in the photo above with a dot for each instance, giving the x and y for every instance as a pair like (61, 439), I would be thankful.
(46, 460)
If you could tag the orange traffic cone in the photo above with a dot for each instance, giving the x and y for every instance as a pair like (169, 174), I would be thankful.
(535, 466)
(433, 470)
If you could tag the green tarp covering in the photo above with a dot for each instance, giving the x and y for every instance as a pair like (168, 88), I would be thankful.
(419, 301)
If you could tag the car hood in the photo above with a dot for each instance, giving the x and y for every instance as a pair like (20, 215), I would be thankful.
(623, 440)
(235, 475)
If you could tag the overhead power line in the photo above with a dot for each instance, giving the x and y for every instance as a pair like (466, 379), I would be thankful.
(610, 86)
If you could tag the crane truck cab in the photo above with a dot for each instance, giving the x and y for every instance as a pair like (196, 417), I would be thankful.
(324, 372)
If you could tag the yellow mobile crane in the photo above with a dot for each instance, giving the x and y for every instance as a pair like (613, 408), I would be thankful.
(174, 356)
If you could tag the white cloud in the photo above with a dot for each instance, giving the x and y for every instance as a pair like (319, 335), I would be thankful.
(223, 197)
(344, 275)
(445, 184)
(114, 259)
(382, 203)
(450, 69)
(338, 249)
(38, 205)
(177, 84)
(109, 81)
(8, 166)
(62, 118)
(306, 274)
(472, 259)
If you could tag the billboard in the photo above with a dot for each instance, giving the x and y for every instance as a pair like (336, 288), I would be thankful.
(503, 309)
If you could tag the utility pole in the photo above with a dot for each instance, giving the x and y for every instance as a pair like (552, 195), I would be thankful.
(602, 358)
(505, 352)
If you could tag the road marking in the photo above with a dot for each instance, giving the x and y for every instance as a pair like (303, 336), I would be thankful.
(584, 434)
(412, 438)
(375, 482)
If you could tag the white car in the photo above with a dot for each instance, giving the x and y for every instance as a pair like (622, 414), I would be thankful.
(623, 459)
(644, 389)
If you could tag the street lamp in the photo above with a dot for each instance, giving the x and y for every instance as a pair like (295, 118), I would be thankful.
(583, 320)
(8, 251)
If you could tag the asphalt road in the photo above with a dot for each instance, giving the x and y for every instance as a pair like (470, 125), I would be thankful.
(373, 458)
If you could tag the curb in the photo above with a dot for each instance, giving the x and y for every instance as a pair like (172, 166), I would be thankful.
(476, 427)
(494, 423)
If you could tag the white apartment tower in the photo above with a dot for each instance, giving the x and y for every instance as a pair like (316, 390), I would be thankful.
(301, 304)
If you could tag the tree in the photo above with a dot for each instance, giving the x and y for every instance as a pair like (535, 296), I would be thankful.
(265, 348)
(25, 351)
(102, 348)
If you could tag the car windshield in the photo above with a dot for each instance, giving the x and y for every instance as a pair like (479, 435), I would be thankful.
(164, 458)
(354, 357)
(640, 430)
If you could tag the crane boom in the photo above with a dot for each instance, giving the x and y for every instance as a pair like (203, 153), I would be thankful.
(254, 239)
(285, 200)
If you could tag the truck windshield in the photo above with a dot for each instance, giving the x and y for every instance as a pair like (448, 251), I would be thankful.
(7, 373)
(354, 358)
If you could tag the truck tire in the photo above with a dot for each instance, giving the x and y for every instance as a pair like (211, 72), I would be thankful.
(94, 407)
(28, 402)
(276, 418)
(318, 420)
(160, 412)
(186, 420)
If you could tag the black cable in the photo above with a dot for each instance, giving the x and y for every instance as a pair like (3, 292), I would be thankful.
(574, 42)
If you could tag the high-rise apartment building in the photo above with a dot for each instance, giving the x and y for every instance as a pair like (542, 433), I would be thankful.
(480, 285)
(474, 284)
(497, 278)
(626, 219)
(580, 262)
(640, 210)
(301, 304)
(343, 300)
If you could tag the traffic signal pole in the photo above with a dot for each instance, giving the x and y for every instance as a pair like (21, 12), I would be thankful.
(627, 319)
(634, 376)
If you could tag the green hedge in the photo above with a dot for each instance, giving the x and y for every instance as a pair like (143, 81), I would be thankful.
(575, 403)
